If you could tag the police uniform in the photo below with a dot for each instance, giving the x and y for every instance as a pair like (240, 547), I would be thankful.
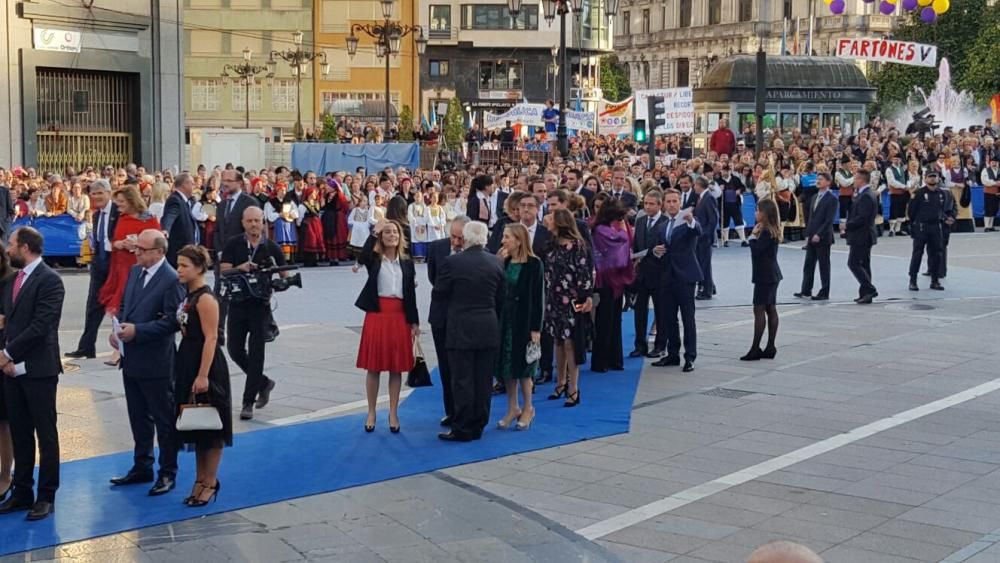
(927, 211)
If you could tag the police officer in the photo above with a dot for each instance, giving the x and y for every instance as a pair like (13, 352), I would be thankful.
(950, 216)
(928, 211)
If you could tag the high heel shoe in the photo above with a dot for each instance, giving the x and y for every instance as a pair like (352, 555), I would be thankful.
(215, 496)
(504, 423)
(190, 498)
(559, 392)
(369, 427)
(3, 495)
(113, 363)
(522, 425)
(769, 353)
(753, 355)
(572, 400)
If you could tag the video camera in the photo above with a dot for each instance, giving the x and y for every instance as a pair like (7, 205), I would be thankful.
(923, 123)
(258, 285)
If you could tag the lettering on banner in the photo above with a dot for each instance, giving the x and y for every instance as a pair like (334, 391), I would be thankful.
(886, 51)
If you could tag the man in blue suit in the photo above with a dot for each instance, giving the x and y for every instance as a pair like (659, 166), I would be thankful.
(177, 223)
(146, 340)
(706, 212)
(680, 272)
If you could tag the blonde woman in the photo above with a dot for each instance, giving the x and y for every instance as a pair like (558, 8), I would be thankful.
(766, 186)
(157, 197)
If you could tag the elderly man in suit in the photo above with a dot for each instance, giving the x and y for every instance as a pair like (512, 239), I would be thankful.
(820, 212)
(647, 270)
(473, 329)
(146, 342)
(862, 236)
(679, 273)
(706, 212)
(105, 219)
(32, 306)
(437, 252)
(177, 223)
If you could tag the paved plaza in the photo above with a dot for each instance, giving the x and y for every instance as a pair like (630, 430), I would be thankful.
(872, 437)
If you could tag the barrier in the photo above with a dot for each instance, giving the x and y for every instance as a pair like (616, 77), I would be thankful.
(63, 234)
(330, 157)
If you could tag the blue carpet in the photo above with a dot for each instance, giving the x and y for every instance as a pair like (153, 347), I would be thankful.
(278, 464)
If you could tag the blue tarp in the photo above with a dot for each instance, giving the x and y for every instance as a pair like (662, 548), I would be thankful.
(331, 157)
(62, 233)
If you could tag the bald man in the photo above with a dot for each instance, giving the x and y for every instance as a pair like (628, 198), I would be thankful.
(784, 552)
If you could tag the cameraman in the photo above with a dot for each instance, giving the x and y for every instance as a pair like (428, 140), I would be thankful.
(249, 315)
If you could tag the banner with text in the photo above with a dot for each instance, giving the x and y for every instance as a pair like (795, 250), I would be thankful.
(531, 115)
(615, 118)
(581, 120)
(678, 109)
(886, 51)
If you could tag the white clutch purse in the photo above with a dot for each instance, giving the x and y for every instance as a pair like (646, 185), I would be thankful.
(198, 417)
(533, 353)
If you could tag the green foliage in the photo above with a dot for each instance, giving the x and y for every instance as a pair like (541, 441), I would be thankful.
(614, 79)
(329, 132)
(983, 75)
(454, 124)
(406, 124)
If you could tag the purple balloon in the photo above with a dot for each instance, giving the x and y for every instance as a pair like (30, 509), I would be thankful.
(886, 8)
(910, 5)
(837, 7)
(927, 15)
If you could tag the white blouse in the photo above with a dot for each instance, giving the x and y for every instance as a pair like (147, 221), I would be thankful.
(390, 279)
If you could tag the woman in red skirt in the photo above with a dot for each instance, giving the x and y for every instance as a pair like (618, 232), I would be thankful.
(313, 245)
(335, 230)
(391, 324)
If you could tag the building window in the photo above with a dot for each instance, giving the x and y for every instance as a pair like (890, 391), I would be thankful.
(685, 13)
(497, 17)
(440, 22)
(787, 9)
(645, 21)
(626, 23)
(283, 95)
(500, 75)
(683, 73)
(205, 95)
(663, 17)
(714, 12)
(746, 10)
(239, 99)
(439, 68)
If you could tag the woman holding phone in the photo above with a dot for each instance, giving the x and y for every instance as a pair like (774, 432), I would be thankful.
(766, 276)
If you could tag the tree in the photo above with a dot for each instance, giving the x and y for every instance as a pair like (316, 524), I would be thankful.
(329, 132)
(406, 124)
(454, 124)
(614, 79)
(983, 75)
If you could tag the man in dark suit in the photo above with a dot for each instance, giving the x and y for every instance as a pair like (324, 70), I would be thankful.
(574, 183)
(820, 213)
(177, 223)
(32, 307)
(485, 203)
(706, 212)
(688, 196)
(437, 252)
(620, 188)
(675, 249)
(104, 221)
(229, 224)
(146, 340)
(473, 330)
(647, 279)
(862, 236)
(6, 210)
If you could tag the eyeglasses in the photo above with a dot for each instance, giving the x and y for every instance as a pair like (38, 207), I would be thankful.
(140, 249)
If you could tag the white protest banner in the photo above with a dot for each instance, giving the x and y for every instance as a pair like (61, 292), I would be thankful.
(615, 118)
(521, 114)
(887, 51)
(678, 109)
(581, 120)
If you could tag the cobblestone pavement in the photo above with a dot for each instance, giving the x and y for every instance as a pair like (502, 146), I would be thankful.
(872, 437)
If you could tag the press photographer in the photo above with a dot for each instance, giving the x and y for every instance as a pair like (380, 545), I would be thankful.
(247, 264)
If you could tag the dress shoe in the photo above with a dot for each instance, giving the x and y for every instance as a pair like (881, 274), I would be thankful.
(688, 366)
(744, 244)
(247, 412)
(866, 300)
(545, 377)
(937, 286)
(725, 244)
(15, 505)
(926, 274)
(133, 478)
(446, 421)
(752, 356)
(499, 389)
(81, 354)
(820, 297)
(667, 361)
(453, 437)
(264, 396)
(655, 353)
(637, 353)
(913, 285)
(703, 297)
(40, 511)
(802, 295)
(163, 485)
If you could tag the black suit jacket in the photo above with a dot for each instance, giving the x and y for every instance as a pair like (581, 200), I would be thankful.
(679, 264)
(473, 316)
(98, 265)
(472, 207)
(437, 252)
(228, 225)
(820, 221)
(588, 195)
(32, 322)
(689, 199)
(496, 235)
(6, 211)
(628, 198)
(368, 300)
(706, 211)
(543, 240)
(764, 259)
(153, 311)
(179, 225)
(861, 220)
(648, 271)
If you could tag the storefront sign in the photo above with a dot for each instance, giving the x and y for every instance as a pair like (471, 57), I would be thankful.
(57, 40)
(887, 51)
(678, 106)
(615, 118)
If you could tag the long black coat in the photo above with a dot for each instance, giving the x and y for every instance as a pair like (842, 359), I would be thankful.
(526, 316)
(473, 284)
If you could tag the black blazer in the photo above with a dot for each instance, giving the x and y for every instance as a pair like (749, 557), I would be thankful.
(692, 199)
(228, 225)
(178, 224)
(98, 266)
(588, 195)
(706, 211)
(628, 198)
(764, 259)
(472, 207)
(6, 211)
(368, 300)
(861, 220)
(526, 316)
(543, 240)
(437, 252)
(473, 316)
(496, 235)
(153, 311)
(820, 221)
(648, 271)
(32, 323)
(680, 262)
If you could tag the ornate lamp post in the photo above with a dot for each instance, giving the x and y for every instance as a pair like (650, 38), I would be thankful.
(299, 60)
(562, 7)
(247, 73)
(388, 36)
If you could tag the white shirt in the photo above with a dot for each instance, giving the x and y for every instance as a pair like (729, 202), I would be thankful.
(27, 269)
(492, 206)
(531, 231)
(103, 221)
(390, 279)
(151, 271)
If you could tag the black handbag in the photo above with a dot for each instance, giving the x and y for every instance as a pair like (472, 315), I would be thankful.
(418, 376)
(966, 198)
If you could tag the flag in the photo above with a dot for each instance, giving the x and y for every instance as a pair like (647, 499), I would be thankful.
(423, 122)
(809, 37)
(995, 107)
(795, 42)
(784, 37)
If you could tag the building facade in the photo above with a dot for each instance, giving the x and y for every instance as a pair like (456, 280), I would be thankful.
(90, 84)
(215, 34)
(491, 61)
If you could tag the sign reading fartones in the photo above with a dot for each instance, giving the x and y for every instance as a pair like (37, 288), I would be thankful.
(57, 40)
(887, 51)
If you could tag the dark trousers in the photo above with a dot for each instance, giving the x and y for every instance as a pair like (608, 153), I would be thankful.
(704, 254)
(816, 253)
(248, 321)
(440, 335)
(846, 202)
(607, 345)
(223, 303)
(94, 314)
(641, 318)
(677, 296)
(859, 262)
(31, 409)
(471, 389)
(151, 408)
(945, 239)
(926, 235)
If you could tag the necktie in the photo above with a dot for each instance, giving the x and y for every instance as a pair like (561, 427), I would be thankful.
(484, 211)
(100, 233)
(816, 201)
(142, 278)
(670, 227)
(18, 282)
(232, 203)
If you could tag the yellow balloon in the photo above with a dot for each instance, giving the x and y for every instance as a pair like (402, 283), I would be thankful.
(828, 2)
(941, 6)
(893, 2)
(924, 2)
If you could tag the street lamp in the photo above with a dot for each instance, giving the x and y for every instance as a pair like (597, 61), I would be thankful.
(299, 61)
(388, 36)
(246, 72)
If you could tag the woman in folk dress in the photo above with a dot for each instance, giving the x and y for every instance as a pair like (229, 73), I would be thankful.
(438, 220)
(282, 212)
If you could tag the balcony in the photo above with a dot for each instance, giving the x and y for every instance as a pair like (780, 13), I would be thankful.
(623, 41)
(447, 34)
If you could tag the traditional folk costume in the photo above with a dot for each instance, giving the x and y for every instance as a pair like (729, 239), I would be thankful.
(312, 244)
(957, 180)
(437, 222)
(335, 229)
(283, 214)
(361, 228)
(418, 216)
(990, 178)
(899, 197)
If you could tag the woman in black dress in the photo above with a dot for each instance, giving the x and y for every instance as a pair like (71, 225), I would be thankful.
(201, 372)
(6, 445)
(764, 241)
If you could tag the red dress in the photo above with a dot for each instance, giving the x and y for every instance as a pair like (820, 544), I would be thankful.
(122, 260)
(312, 231)
(335, 225)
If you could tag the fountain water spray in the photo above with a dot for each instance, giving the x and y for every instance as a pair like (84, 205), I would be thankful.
(949, 106)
